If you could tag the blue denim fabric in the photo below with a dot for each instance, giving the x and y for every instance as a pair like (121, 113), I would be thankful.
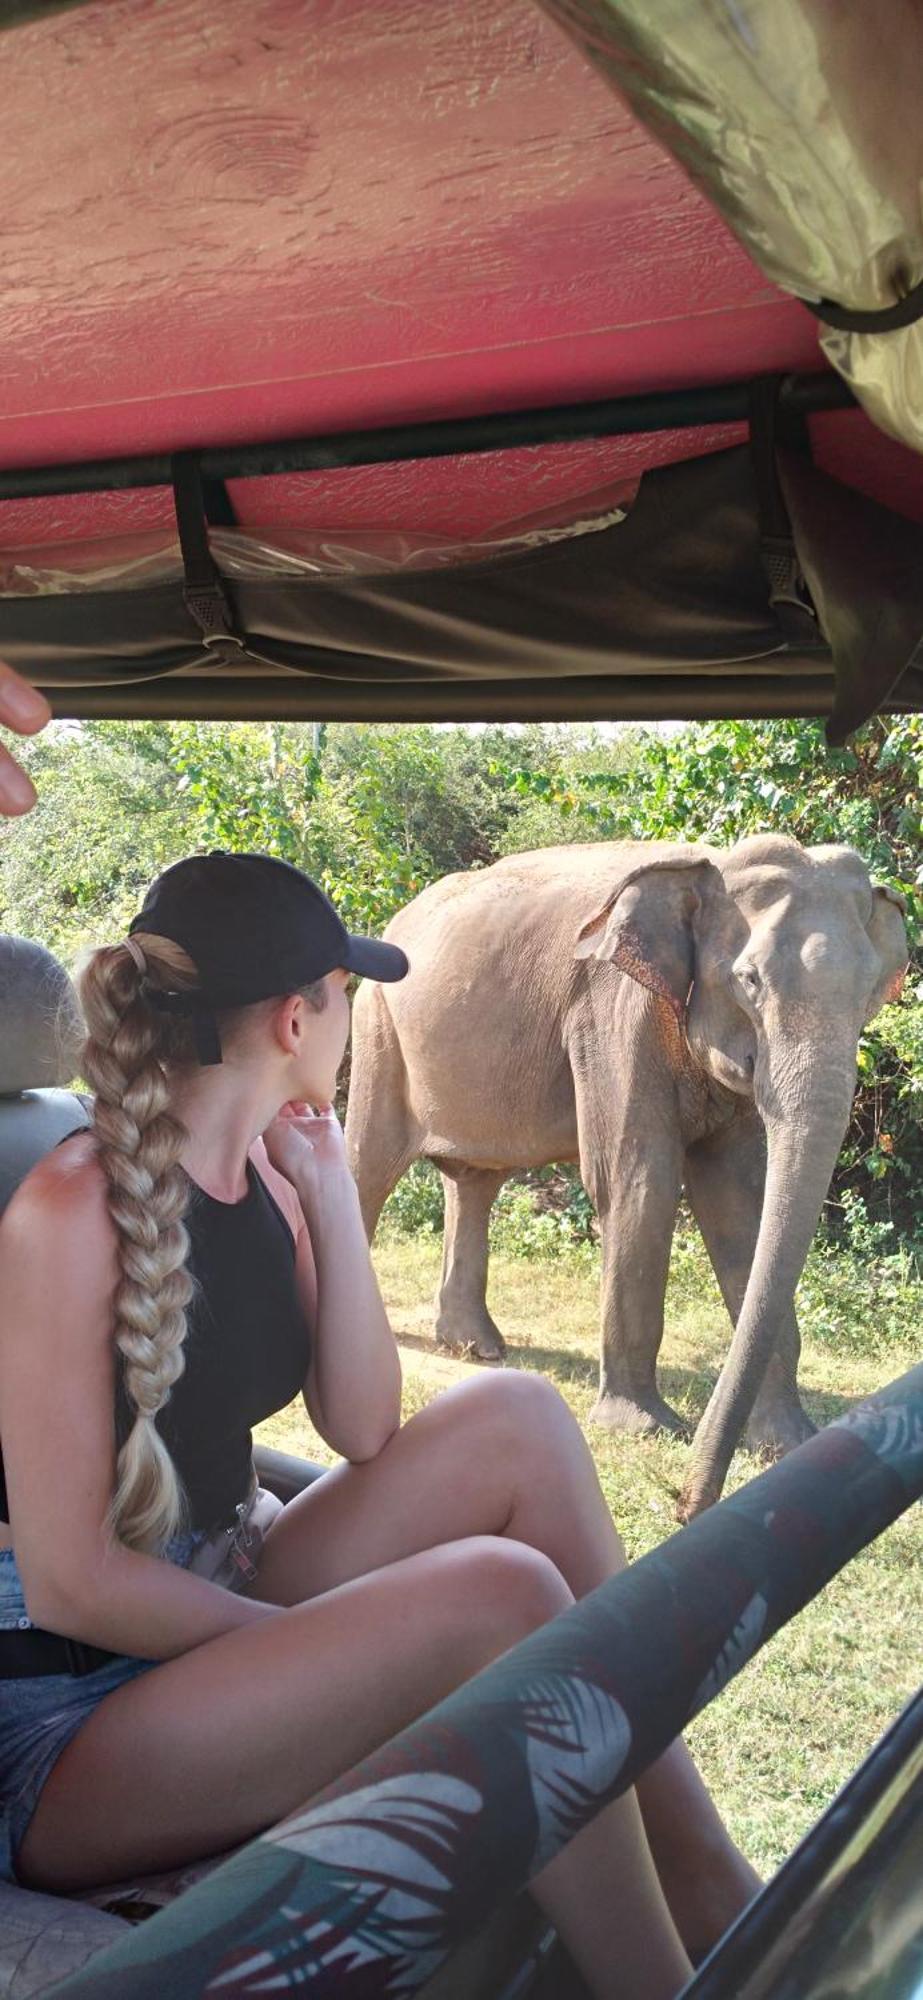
(40, 1713)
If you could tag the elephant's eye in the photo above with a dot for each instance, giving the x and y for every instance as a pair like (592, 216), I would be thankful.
(748, 977)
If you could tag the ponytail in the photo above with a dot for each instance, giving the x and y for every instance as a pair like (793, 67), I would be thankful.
(129, 1052)
(139, 1144)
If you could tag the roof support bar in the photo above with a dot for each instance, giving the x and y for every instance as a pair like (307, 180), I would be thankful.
(509, 430)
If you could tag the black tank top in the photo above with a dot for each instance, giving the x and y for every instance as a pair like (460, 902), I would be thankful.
(246, 1350)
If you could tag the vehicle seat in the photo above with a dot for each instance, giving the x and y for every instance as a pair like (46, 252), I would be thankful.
(40, 1037)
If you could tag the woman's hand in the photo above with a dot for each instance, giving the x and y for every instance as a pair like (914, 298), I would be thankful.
(21, 708)
(306, 1145)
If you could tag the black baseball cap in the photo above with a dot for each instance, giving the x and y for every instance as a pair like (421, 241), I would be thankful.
(254, 927)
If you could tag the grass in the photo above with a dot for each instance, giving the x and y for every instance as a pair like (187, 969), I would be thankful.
(782, 1739)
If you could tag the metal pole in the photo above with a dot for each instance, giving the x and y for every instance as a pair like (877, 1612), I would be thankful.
(674, 409)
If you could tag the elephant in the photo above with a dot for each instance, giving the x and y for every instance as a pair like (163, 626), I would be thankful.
(669, 1016)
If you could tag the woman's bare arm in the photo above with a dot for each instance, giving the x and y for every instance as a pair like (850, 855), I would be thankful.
(353, 1390)
(353, 1387)
(57, 1273)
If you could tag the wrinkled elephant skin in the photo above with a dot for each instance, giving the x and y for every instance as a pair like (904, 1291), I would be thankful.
(668, 1017)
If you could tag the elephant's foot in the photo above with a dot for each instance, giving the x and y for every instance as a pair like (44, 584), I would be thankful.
(781, 1428)
(640, 1412)
(472, 1335)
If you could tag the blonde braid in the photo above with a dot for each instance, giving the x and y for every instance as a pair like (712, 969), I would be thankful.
(139, 1149)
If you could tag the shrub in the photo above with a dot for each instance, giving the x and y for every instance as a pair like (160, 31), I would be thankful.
(529, 1220)
(416, 1207)
(546, 1214)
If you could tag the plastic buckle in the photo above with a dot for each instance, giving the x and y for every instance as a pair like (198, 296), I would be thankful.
(786, 583)
(241, 1541)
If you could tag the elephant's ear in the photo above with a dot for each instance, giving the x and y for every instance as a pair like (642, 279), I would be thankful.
(886, 930)
(647, 926)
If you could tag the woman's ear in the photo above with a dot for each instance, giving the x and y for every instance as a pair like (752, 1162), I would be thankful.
(886, 929)
(287, 1020)
(647, 926)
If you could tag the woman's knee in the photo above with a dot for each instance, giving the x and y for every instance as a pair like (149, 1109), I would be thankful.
(523, 1415)
(508, 1395)
(510, 1589)
(521, 1422)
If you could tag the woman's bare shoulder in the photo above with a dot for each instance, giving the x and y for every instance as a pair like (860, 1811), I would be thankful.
(63, 1197)
(59, 1244)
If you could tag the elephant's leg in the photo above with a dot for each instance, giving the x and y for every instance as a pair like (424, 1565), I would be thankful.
(631, 1164)
(636, 1232)
(462, 1318)
(725, 1179)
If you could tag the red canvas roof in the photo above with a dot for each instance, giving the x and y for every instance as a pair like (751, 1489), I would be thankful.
(237, 220)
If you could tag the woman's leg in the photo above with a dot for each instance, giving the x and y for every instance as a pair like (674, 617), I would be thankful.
(501, 1454)
(340, 1675)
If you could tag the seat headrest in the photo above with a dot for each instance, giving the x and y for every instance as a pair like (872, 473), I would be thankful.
(41, 1027)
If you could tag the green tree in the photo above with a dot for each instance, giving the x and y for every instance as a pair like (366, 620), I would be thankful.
(109, 817)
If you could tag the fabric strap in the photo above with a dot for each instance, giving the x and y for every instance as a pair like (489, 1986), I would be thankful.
(880, 319)
(203, 591)
(789, 597)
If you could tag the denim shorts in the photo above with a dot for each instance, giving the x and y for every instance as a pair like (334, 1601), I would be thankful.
(41, 1712)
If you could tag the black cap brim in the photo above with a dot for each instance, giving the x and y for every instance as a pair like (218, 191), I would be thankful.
(371, 958)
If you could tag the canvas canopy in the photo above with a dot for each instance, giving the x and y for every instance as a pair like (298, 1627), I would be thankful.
(799, 119)
(499, 304)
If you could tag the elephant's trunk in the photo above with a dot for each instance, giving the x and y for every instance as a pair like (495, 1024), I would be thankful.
(805, 1118)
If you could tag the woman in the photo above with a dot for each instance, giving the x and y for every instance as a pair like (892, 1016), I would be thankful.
(188, 1265)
